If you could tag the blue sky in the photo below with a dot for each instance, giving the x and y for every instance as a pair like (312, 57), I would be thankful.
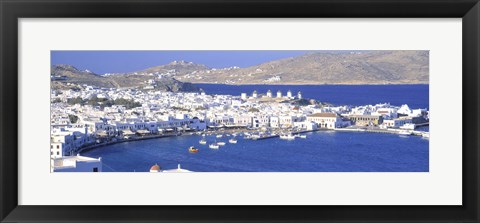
(127, 61)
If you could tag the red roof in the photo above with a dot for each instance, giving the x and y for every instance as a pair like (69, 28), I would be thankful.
(155, 167)
(324, 115)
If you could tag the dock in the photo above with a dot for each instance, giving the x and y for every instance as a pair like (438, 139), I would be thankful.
(387, 131)
(265, 137)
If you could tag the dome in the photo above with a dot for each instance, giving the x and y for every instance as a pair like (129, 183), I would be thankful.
(155, 168)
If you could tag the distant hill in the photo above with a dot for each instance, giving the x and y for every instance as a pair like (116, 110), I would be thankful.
(369, 67)
(375, 67)
(178, 67)
(75, 76)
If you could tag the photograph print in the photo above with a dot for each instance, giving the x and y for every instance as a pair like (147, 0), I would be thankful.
(187, 111)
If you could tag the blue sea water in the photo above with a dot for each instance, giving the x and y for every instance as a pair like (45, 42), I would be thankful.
(323, 151)
(416, 96)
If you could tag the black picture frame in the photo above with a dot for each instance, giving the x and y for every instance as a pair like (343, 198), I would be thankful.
(12, 10)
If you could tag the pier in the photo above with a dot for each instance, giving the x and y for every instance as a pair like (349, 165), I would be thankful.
(265, 137)
(94, 146)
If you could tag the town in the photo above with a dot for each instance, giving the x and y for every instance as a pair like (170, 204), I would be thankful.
(85, 117)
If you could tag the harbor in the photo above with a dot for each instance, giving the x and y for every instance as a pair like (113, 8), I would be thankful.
(222, 121)
(285, 111)
(326, 151)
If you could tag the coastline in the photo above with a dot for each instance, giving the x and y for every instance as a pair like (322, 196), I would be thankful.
(230, 131)
(311, 84)
(96, 146)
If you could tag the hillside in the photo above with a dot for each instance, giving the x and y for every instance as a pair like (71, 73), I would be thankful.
(72, 75)
(376, 67)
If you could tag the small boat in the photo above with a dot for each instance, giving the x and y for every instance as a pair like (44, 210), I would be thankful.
(426, 135)
(192, 149)
(255, 137)
(287, 136)
(221, 143)
(203, 141)
(214, 146)
(219, 136)
(302, 136)
(408, 126)
(405, 133)
(233, 140)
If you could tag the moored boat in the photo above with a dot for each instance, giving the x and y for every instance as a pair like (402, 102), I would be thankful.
(408, 126)
(233, 140)
(192, 149)
(426, 135)
(287, 136)
(203, 141)
(405, 132)
(255, 136)
(214, 146)
(301, 136)
(221, 143)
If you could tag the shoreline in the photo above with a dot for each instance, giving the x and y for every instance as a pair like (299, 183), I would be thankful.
(230, 131)
(313, 84)
(96, 146)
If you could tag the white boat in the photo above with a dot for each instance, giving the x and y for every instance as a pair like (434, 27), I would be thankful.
(426, 135)
(233, 140)
(301, 136)
(255, 137)
(219, 136)
(203, 141)
(221, 143)
(213, 146)
(408, 126)
(287, 136)
(405, 133)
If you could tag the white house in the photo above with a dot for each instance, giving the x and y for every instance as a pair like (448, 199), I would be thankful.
(327, 120)
(396, 123)
(306, 125)
(243, 96)
(75, 164)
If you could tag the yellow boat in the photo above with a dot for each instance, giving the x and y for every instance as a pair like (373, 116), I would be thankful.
(192, 149)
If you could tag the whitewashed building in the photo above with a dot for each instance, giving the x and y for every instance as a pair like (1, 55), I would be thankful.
(75, 164)
(327, 120)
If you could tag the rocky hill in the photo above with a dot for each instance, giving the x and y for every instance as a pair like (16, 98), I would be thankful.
(177, 67)
(63, 74)
(374, 67)
(370, 67)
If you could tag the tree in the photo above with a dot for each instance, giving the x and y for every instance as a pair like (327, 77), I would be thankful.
(77, 100)
(73, 118)
(127, 103)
